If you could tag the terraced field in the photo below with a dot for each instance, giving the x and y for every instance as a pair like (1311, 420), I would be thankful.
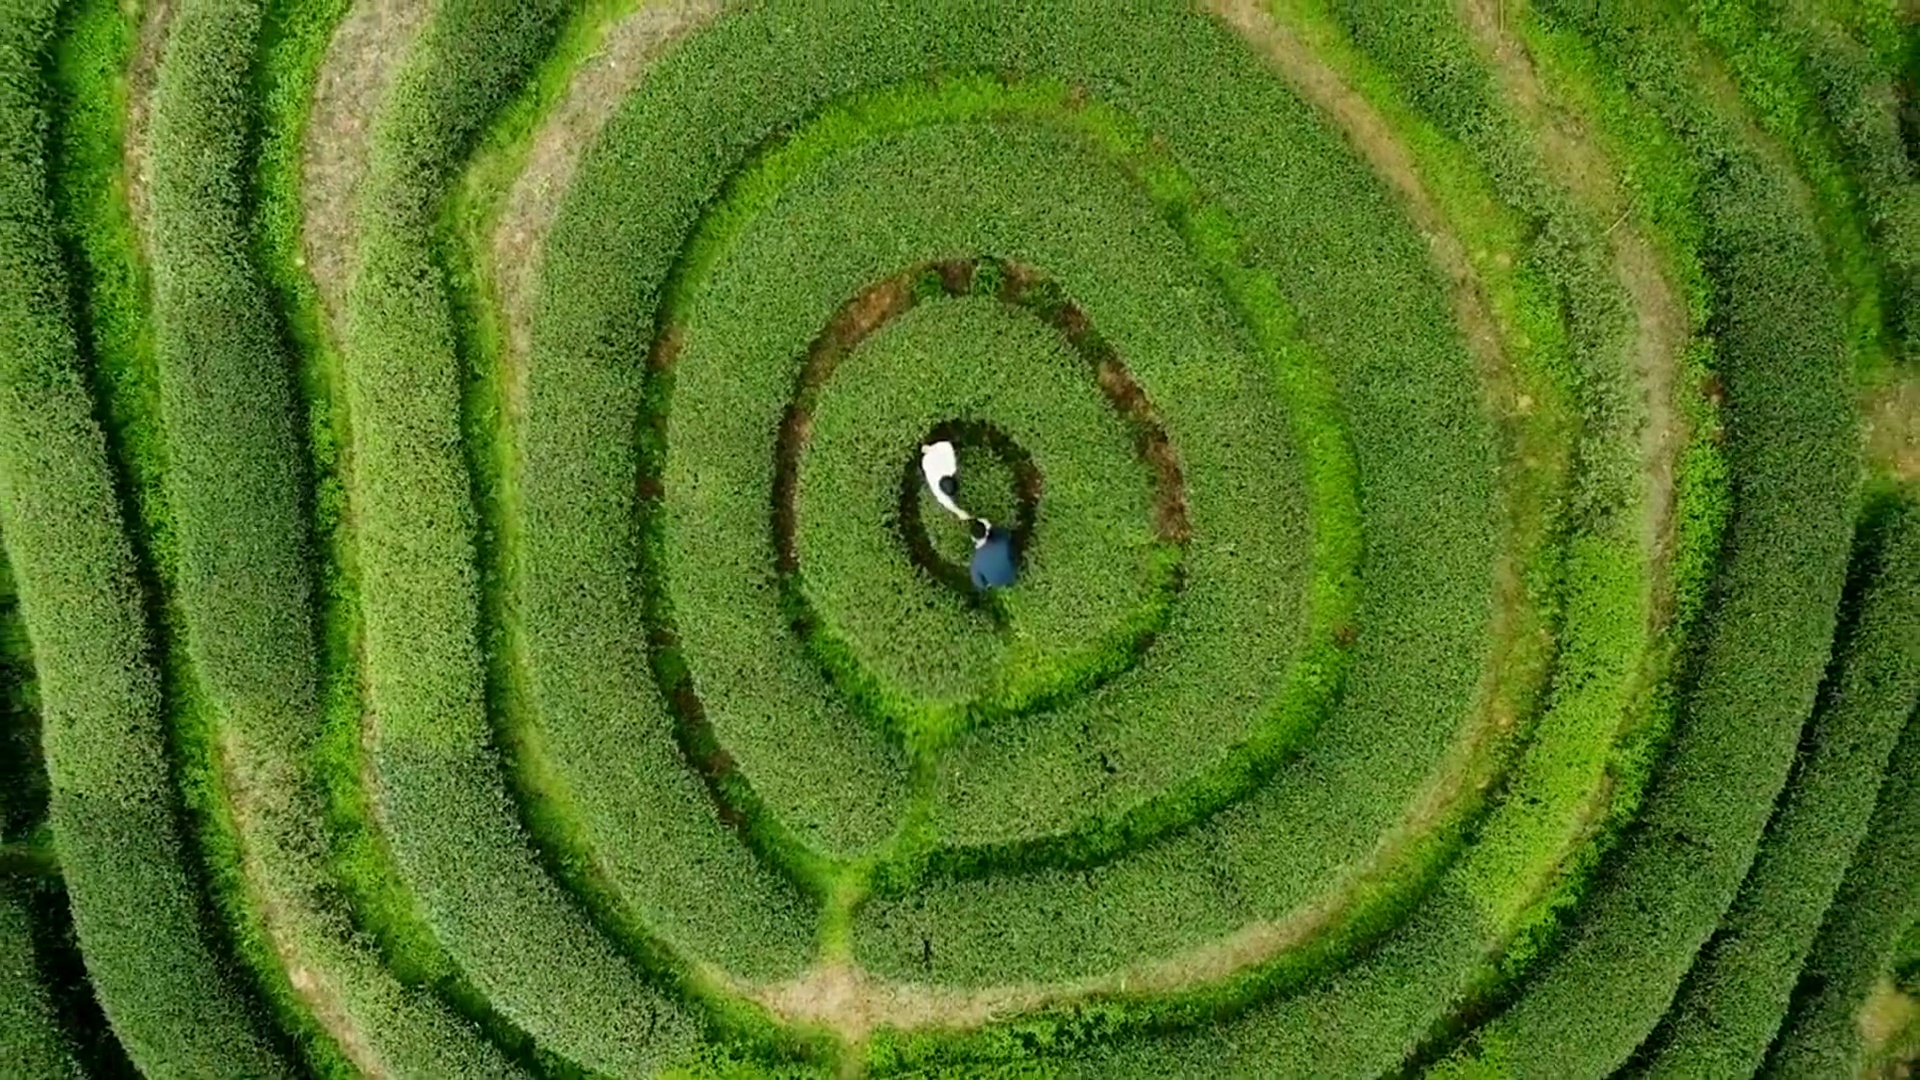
(470, 606)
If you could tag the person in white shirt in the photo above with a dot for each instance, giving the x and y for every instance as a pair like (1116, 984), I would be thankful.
(942, 468)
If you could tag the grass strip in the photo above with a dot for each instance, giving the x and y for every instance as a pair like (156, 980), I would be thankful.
(296, 40)
(1370, 1017)
(238, 571)
(1855, 64)
(604, 880)
(175, 1004)
(1731, 1005)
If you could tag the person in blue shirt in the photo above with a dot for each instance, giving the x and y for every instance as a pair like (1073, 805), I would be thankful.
(992, 555)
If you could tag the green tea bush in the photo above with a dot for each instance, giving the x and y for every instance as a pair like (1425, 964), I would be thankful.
(30, 1035)
(1430, 430)
(1733, 999)
(1821, 1034)
(1792, 464)
(505, 924)
(244, 580)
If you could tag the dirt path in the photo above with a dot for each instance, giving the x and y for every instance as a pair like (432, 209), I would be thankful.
(1368, 133)
(853, 1003)
(595, 93)
(254, 782)
(1662, 326)
(362, 61)
(361, 64)
(156, 17)
(1513, 621)
(271, 810)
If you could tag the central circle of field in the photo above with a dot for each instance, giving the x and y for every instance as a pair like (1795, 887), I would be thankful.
(1096, 577)
(1222, 674)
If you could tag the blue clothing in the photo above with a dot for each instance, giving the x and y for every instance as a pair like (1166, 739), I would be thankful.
(993, 560)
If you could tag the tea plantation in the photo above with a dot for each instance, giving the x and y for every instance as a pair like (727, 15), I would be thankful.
(471, 606)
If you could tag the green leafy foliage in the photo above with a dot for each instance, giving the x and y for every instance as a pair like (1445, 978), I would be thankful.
(507, 926)
(1764, 638)
(1877, 898)
(172, 1000)
(929, 658)
(1417, 631)
(30, 1037)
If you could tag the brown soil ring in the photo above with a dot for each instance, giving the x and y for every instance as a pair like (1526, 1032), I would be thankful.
(738, 805)
(870, 310)
(878, 304)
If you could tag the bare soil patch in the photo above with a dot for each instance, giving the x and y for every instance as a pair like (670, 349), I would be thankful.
(156, 18)
(261, 792)
(1890, 1032)
(362, 62)
(1892, 423)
